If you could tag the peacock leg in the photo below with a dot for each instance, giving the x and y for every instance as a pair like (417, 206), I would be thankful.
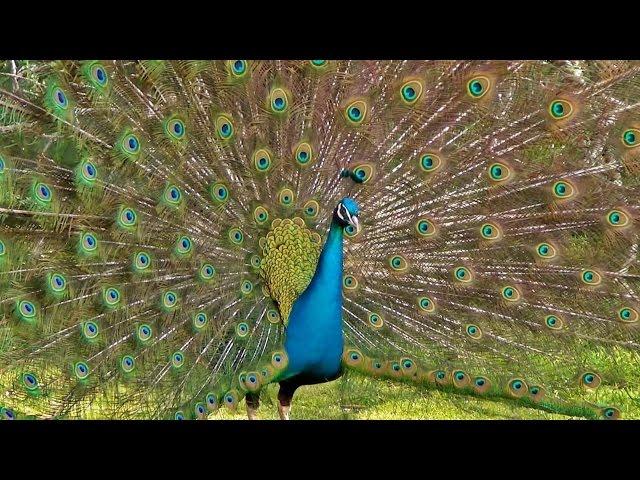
(285, 396)
(253, 402)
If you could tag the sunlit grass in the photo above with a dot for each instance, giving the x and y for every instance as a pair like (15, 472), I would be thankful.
(362, 398)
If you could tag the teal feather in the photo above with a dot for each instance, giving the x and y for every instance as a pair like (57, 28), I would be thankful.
(177, 235)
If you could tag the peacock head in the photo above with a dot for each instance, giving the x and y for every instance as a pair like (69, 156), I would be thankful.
(346, 213)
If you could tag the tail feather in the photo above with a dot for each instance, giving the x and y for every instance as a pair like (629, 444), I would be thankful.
(499, 210)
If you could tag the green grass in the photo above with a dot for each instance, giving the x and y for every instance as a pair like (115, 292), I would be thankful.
(359, 398)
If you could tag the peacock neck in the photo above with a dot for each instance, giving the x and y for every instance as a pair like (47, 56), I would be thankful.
(314, 341)
(328, 275)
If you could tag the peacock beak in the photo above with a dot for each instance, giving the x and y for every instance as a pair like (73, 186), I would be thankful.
(356, 223)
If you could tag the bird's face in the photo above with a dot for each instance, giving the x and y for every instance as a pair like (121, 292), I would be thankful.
(347, 213)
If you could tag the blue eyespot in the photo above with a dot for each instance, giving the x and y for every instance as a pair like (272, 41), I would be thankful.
(127, 363)
(60, 98)
(43, 192)
(238, 67)
(144, 332)
(89, 171)
(131, 144)
(175, 128)
(88, 242)
(30, 381)
(81, 370)
(184, 245)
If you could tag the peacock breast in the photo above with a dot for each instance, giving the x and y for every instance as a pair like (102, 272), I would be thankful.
(314, 340)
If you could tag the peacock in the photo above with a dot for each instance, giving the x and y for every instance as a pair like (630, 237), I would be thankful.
(177, 235)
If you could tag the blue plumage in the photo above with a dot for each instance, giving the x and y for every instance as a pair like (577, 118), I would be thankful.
(314, 339)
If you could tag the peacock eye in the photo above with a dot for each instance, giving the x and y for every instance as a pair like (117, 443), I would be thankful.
(398, 263)
(311, 209)
(88, 242)
(43, 193)
(303, 153)
(30, 381)
(219, 192)
(169, 300)
(563, 190)
(463, 274)
(285, 197)
(142, 260)
(177, 359)
(262, 160)
(273, 316)
(144, 332)
(590, 380)
(511, 294)
(560, 109)
(200, 320)
(375, 320)
(127, 364)
(478, 87)
(355, 112)
(553, 322)
(499, 172)
(278, 100)
(175, 128)
(617, 218)
(350, 282)
(246, 287)
(57, 282)
(430, 162)
(260, 215)
(127, 217)
(27, 310)
(211, 400)
(426, 304)
(490, 231)
(425, 227)
(610, 413)
(242, 329)
(89, 172)
(207, 271)
(131, 144)
(60, 98)
(628, 315)
(631, 138)
(591, 277)
(99, 75)
(238, 67)
(411, 92)
(362, 173)
(184, 245)
(111, 296)
(81, 370)
(474, 331)
(236, 236)
(173, 195)
(224, 127)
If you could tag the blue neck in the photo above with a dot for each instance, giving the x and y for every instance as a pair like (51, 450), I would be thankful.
(328, 276)
(314, 339)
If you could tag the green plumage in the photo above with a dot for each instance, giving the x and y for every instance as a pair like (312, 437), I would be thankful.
(158, 220)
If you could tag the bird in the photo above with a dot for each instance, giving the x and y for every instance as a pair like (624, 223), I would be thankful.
(177, 235)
